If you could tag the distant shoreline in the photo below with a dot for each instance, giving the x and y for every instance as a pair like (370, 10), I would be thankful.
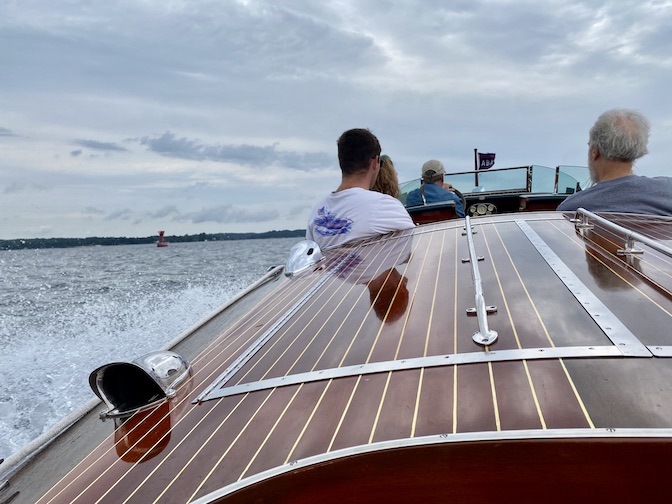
(42, 243)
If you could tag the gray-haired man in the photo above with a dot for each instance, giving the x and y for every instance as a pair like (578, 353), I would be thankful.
(616, 140)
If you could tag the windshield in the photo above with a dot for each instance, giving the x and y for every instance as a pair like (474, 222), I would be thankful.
(535, 179)
(572, 179)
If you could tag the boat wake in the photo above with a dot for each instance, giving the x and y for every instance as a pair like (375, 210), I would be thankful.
(46, 369)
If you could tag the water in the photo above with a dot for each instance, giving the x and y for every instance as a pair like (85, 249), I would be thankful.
(64, 312)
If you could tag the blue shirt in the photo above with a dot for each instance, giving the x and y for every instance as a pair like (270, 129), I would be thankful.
(434, 194)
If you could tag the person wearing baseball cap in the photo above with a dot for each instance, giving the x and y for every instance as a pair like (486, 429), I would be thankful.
(432, 189)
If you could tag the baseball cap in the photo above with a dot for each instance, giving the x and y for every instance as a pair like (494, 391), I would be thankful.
(432, 169)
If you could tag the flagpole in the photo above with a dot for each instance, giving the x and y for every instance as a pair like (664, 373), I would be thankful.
(476, 167)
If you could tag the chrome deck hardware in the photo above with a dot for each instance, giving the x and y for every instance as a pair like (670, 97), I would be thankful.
(302, 256)
(484, 336)
(630, 236)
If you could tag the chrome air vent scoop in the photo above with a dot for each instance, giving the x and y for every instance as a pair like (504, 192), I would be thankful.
(127, 387)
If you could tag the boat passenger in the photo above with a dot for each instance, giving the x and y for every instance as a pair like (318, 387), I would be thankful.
(354, 212)
(433, 188)
(387, 181)
(616, 140)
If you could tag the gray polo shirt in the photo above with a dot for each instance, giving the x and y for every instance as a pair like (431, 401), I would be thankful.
(630, 194)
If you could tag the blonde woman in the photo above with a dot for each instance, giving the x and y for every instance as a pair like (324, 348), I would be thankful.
(386, 181)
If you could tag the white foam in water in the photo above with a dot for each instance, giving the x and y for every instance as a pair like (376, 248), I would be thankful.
(52, 337)
(50, 368)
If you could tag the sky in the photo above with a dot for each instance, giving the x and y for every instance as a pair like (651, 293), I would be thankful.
(125, 117)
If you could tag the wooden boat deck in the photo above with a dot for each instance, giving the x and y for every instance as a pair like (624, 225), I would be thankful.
(379, 358)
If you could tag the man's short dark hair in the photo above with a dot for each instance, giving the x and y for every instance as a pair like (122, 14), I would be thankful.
(356, 148)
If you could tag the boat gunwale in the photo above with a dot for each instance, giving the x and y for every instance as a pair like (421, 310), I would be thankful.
(525, 435)
(13, 464)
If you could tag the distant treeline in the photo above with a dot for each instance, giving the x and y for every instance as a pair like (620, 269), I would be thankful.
(40, 243)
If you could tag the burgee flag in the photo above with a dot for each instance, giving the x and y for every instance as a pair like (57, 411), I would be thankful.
(485, 160)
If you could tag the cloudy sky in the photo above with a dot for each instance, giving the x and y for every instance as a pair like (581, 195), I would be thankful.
(123, 117)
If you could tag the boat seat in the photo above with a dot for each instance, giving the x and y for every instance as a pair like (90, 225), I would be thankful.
(540, 202)
(433, 212)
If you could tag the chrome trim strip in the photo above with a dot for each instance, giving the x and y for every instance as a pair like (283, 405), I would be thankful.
(627, 234)
(614, 329)
(250, 351)
(440, 439)
(484, 336)
(660, 350)
(418, 363)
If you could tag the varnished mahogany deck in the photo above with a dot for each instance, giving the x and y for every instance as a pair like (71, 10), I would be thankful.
(401, 298)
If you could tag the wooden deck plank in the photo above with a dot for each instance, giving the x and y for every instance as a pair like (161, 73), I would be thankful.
(517, 304)
(436, 402)
(317, 434)
(206, 442)
(561, 406)
(515, 400)
(475, 404)
(395, 420)
(277, 447)
(566, 322)
(359, 419)
(392, 332)
(246, 449)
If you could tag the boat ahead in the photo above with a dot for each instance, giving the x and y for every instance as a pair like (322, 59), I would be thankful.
(521, 356)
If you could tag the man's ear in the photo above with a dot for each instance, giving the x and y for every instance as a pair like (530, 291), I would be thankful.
(375, 166)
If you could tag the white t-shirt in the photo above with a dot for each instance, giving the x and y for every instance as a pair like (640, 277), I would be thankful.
(354, 214)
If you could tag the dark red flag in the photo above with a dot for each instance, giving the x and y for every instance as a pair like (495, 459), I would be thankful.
(485, 161)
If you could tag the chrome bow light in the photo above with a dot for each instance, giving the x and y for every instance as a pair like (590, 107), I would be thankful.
(302, 256)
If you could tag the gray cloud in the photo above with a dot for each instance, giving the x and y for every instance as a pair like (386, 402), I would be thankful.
(103, 146)
(164, 212)
(94, 211)
(298, 210)
(227, 214)
(278, 82)
(248, 155)
(124, 214)
(21, 186)
(14, 188)
(221, 214)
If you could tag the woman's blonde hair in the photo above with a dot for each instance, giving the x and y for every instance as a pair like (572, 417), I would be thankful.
(387, 181)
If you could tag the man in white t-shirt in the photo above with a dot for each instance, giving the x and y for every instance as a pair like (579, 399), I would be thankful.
(353, 212)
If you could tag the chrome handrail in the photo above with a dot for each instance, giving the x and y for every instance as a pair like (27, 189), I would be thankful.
(484, 335)
(629, 235)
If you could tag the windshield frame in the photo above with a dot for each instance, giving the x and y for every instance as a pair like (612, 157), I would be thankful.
(532, 179)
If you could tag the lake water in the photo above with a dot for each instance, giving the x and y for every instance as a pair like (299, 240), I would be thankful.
(64, 312)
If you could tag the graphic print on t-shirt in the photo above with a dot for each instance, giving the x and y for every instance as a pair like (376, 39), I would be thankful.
(328, 224)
